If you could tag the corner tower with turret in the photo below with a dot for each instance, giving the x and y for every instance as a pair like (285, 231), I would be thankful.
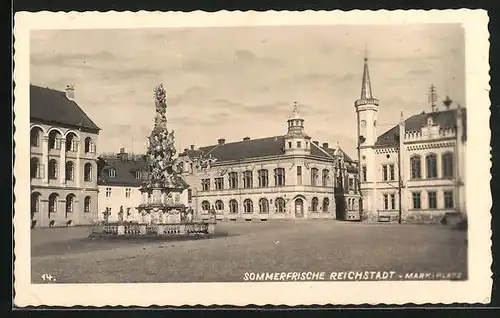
(366, 110)
(297, 142)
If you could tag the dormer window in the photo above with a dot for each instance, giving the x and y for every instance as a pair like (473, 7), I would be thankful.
(429, 121)
(138, 174)
(112, 173)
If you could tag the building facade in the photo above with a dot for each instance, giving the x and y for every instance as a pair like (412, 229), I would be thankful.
(280, 177)
(63, 168)
(415, 171)
(121, 176)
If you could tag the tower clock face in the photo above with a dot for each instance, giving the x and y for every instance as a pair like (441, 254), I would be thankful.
(363, 123)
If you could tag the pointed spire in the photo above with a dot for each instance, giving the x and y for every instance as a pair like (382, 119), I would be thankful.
(295, 111)
(366, 86)
(295, 107)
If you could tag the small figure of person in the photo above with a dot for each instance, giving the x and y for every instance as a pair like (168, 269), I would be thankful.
(213, 214)
(106, 214)
(190, 215)
(120, 214)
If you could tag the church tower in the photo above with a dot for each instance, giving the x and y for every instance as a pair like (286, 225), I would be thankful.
(296, 140)
(366, 110)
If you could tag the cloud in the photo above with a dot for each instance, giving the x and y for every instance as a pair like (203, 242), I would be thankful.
(421, 71)
(72, 60)
(234, 82)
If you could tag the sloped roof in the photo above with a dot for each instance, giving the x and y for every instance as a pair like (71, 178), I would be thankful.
(52, 106)
(255, 148)
(252, 148)
(445, 119)
(346, 156)
(125, 172)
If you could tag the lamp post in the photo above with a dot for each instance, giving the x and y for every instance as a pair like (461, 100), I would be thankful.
(400, 185)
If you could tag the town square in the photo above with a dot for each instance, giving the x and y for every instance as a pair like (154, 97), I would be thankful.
(68, 255)
(155, 181)
(251, 158)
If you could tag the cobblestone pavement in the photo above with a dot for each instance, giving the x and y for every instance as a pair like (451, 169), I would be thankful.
(71, 257)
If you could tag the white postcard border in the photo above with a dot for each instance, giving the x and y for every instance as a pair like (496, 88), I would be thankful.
(476, 289)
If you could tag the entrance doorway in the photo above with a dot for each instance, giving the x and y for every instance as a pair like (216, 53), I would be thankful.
(299, 208)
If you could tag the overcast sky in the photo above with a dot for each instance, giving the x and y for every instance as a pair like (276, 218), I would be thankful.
(236, 82)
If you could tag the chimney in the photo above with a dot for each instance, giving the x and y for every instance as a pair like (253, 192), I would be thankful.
(325, 145)
(70, 92)
(192, 147)
(221, 141)
(246, 138)
(316, 142)
(122, 150)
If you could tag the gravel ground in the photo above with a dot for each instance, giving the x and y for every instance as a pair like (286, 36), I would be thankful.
(71, 257)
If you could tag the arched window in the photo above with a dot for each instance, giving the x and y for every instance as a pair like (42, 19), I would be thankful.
(89, 145)
(280, 205)
(71, 142)
(416, 167)
(87, 172)
(326, 204)
(53, 169)
(35, 135)
(314, 204)
(70, 198)
(279, 177)
(35, 202)
(112, 173)
(263, 178)
(247, 206)
(54, 140)
(314, 177)
(263, 206)
(205, 206)
(219, 205)
(247, 179)
(53, 202)
(35, 168)
(324, 178)
(431, 165)
(86, 204)
(447, 163)
(70, 171)
(233, 206)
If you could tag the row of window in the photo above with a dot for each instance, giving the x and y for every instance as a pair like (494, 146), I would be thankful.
(351, 204)
(388, 170)
(54, 142)
(299, 144)
(128, 191)
(37, 170)
(263, 179)
(138, 174)
(248, 206)
(54, 198)
(432, 200)
(431, 166)
(390, 200)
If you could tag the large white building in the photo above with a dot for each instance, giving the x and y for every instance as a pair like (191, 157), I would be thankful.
(280, 177)
(422, 157)
(63, 159)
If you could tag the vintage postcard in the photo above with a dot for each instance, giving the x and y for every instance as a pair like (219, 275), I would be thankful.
(235, 158)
